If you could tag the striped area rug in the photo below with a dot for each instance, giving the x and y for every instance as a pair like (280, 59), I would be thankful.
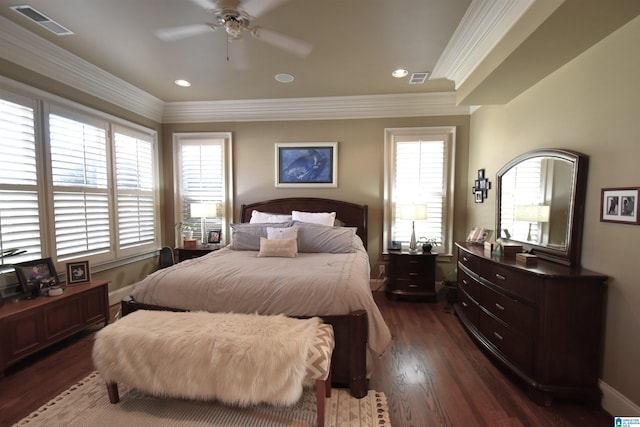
(87, 404)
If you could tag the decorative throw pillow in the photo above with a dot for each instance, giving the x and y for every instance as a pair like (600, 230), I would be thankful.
(246, 237)
(265, 217)
(274, 233)
(285, 248)
(322, 218)
(321, 238)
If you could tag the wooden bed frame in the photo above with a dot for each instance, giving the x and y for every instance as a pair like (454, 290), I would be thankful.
(348, 364)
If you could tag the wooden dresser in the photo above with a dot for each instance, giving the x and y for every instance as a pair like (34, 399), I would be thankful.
(544, 323)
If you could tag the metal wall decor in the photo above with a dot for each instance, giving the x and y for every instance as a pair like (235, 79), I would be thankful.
(481, 187)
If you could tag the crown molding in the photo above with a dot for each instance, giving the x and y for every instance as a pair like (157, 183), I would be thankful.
(317, 108)
(35, 53)
(482, 27)
(28, 50)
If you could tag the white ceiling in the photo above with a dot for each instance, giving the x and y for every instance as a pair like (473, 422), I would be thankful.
(356, 46)
(478, 51)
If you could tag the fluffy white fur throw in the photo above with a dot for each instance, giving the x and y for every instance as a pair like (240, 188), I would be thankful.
(238, 359)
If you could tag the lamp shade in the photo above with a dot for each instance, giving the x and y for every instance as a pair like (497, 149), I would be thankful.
(414, 211)
(204, 210)
(532, 213)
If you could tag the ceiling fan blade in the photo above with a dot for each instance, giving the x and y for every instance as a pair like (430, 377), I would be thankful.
(257, 8)
(207, 5)
(292, 45)
(183, 31)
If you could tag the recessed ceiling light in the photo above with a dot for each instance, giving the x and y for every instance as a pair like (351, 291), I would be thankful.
(284, 78)
(182, 83)
(399, 73)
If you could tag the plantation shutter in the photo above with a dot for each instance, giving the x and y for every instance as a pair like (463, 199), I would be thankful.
(19, 201)
(419, 177)
(80, 187)
(201, 179)
(134, 156)
(522, 187)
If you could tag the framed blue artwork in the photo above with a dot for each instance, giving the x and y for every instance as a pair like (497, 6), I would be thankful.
(307, 164)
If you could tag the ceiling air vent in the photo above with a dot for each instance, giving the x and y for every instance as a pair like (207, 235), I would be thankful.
(418, 78)
(40, 19)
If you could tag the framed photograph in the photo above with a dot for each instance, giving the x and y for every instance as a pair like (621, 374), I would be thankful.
(78, 272)
(214, 236)
(37, 275)
(480, 174)
(306, 164)
(620, 205)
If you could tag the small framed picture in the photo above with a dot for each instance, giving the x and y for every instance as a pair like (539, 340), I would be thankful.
(620, 205)
(78, 272)
(480, 174)
(214, 236)
(35, 276)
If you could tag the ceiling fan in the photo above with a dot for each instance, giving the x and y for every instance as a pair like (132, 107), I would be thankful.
(236, 17)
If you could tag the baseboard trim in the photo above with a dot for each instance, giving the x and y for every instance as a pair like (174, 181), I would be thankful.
(616, 404)
(116, 296)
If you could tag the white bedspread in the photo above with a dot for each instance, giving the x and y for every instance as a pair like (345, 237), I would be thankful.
(312, 284)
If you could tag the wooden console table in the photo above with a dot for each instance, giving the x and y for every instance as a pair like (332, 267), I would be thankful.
(28, 326)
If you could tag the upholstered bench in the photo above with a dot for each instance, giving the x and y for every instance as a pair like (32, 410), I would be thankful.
(238, 359)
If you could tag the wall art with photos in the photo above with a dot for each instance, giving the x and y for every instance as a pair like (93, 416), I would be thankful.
(36, 276)
(481, 187)
(78, 272)
(306, 164)
(620, 205)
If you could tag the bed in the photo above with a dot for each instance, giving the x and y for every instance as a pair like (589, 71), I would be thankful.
(333, 286)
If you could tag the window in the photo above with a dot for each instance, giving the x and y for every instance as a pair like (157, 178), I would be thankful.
(419, 170)
(19, 178)
(203, 179)
(74, 182)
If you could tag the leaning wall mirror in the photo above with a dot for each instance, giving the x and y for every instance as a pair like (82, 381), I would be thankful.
(540, 203)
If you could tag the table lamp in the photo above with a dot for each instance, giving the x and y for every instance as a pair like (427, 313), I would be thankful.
(203, 211)
(532, 213)
(413, 212)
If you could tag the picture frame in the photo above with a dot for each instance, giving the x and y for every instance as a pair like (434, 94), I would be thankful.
(620, 205)
(306, 164)
(78, 272)
(214, 236)
(481, 186)
(37, 275)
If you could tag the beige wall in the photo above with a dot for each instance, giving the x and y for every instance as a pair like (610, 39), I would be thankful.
(360, 162)
(591, 105)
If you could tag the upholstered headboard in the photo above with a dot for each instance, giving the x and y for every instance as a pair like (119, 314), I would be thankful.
(351, 214)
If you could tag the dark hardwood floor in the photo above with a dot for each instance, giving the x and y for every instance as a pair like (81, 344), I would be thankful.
(433, 375)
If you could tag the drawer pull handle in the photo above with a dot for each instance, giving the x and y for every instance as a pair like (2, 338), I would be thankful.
(413, 274)
(465, 259)
(414, 286)
(500, 276)
(464, 304)
(500, 307)
(465, 281)
(497, 335)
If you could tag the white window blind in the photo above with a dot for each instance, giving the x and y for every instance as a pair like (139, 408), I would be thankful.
(19, 199)
(135, 167)
(419, 171)
(80, 187)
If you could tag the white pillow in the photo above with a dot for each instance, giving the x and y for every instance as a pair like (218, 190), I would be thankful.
(274, 233)
(285, 248)
(263, 217)
(322, 218)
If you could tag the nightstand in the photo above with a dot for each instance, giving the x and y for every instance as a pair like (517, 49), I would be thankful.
(411, 275)
(183, 254)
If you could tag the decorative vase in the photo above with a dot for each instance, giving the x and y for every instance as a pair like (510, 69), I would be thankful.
(187, 234)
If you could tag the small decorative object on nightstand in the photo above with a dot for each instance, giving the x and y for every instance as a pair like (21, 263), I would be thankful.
(412, 275)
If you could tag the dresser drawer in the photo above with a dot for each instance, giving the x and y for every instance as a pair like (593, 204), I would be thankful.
(469, 261)
(517, 348)
(470, 285)
(519, 316)
(518, 284)
(468, 306)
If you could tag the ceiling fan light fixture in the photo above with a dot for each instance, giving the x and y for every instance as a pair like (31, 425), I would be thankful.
(284, 78)
(400, 73)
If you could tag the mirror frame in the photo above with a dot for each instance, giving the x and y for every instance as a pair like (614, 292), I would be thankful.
(571, 255)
